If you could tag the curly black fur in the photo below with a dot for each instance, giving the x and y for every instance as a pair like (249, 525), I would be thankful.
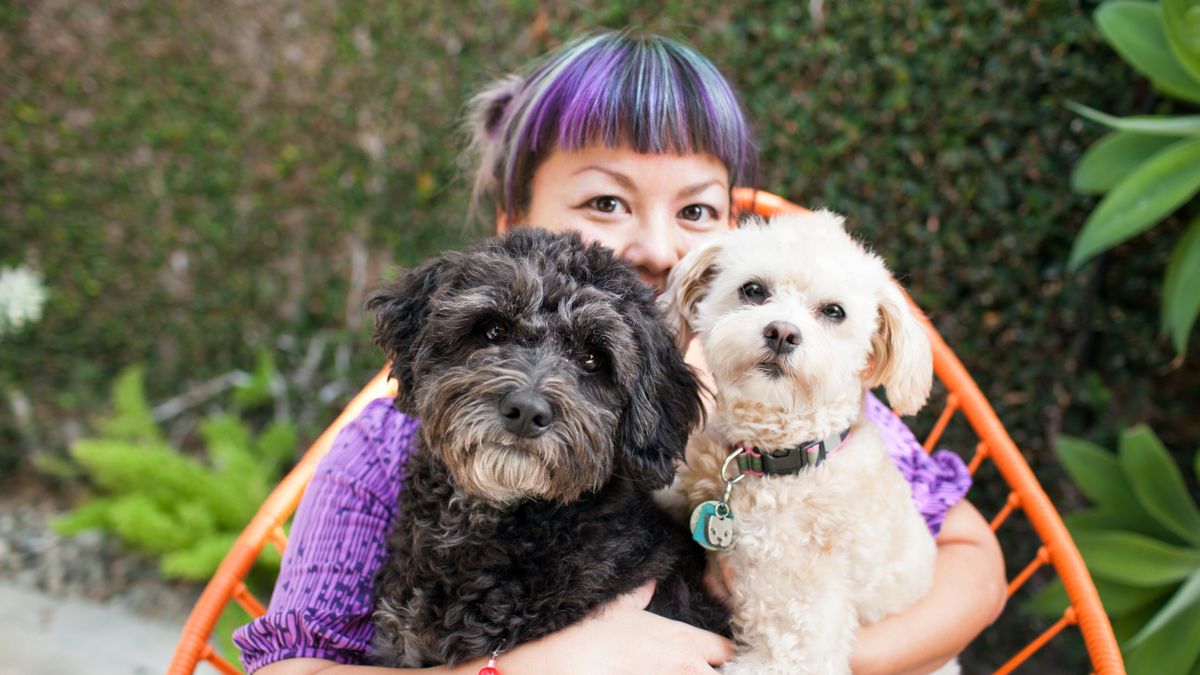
(503, 539)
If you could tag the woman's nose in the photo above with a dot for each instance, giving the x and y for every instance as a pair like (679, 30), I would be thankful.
(654, 251)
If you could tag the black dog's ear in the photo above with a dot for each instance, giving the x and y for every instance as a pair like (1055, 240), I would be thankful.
(664, 407)
(401, 308)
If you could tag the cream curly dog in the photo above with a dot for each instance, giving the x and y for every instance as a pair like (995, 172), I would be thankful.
(820, 534)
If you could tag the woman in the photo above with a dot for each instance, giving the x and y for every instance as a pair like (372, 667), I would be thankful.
(635, 143)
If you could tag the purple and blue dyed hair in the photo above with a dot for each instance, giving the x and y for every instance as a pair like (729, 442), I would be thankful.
(648, 93)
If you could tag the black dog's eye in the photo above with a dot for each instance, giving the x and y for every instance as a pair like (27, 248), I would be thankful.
(833, 312)
(753, 292)
(494, 331)
(590, 360)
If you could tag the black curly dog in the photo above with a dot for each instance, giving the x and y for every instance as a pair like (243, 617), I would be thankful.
(552, 400)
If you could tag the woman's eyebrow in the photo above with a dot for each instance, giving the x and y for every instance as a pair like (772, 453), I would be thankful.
(623, 180)
(629, 184)
(699, 187)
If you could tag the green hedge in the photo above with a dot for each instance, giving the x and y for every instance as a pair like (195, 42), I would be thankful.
(198, 181)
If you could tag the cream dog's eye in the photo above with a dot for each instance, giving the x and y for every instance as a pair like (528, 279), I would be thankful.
(833, 312)
(753, 292)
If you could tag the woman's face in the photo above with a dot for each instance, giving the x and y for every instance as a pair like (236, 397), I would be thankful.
(650, 209)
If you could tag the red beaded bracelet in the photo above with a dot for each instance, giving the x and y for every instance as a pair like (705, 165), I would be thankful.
(490, 668)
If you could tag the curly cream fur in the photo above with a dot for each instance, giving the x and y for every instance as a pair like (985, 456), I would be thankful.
(824, 551)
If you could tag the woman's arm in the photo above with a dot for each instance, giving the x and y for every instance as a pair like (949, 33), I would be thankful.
(968, 593)
(621, 638)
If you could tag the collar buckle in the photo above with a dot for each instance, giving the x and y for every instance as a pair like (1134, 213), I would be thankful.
(792, 460)
(786, 461)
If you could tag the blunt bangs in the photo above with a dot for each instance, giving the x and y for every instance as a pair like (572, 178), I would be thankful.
(650, 94)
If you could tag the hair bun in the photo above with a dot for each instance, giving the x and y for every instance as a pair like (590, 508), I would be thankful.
(487, 108)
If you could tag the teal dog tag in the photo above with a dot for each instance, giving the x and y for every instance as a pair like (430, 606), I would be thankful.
(712, 525)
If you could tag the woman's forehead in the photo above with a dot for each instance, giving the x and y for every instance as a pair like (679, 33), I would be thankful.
(625, 165)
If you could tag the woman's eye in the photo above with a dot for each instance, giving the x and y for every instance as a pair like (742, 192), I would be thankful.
(696, 212)
(833, 312)
(605, 204)
(590, 360)
(495, 332)
(753, 292)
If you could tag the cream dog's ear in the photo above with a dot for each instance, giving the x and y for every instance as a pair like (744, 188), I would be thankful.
(901, 353)
(686, 286)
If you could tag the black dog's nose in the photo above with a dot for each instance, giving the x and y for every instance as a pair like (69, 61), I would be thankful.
(526, 413)
(781, 337)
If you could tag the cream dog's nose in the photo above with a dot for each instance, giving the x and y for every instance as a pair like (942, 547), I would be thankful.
(781, 337)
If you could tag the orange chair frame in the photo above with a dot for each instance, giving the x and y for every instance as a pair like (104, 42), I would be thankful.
(964, 396)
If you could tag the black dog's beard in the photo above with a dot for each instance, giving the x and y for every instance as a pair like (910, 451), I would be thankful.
(461, 424)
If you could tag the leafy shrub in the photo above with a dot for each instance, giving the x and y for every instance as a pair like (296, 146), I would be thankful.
(1150, 165)
(194, 210)
(161, 501)
(1141, 542)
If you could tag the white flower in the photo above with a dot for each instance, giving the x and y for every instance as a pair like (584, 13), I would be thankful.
(22, 296)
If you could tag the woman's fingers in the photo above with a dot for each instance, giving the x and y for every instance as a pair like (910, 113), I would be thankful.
(714, 648)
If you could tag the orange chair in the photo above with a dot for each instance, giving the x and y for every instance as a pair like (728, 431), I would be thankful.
(963, 396)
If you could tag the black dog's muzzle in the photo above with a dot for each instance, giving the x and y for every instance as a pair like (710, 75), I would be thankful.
(525, 413)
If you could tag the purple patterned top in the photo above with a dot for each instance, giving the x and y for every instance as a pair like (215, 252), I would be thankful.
(323, 599)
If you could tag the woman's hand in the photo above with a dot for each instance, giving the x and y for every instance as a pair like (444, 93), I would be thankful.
(622, 638)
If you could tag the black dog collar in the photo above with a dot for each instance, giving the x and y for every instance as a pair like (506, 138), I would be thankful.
(763, 462)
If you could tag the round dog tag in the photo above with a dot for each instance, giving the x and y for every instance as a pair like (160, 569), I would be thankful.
(712, 525)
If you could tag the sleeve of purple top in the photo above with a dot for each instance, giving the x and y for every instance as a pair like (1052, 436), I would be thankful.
(938, 481)
(322, 603)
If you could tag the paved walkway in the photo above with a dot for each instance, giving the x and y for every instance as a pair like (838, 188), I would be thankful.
(40, 635)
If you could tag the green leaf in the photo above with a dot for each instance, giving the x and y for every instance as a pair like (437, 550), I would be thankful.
(163, 474)
(1181, 297)
(1173, 648)
(146, 525)
(1180, 126)
(1103, 519)
(257, 390)
(1158, 484)
(276, 446)
(1120, 599)
(130, 419)
(1156, 188)
(1097, 473)
(1126, 626)
(1113, 157)
(199, 561)
(1181, 19)
(91, 515)
(1186, 599)
(227, 441)
(1135, 30)
(1134, 559)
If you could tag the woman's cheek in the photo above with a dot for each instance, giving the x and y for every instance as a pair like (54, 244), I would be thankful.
(607, 235)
